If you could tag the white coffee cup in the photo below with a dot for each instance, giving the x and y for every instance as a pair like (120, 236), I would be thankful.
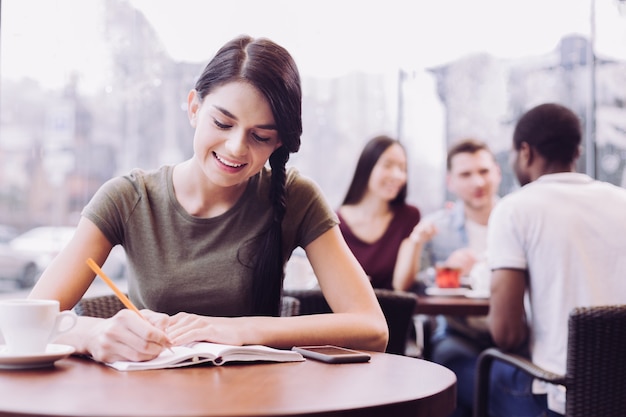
(29, 325)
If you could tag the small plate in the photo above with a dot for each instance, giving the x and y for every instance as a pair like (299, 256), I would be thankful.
(43, 360)
(448, 292)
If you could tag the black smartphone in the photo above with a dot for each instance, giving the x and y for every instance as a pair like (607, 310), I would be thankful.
(332, 354)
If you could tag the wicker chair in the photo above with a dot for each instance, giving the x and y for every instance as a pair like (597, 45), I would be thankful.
(103, 306)
(106, 306)
(398, 308)
(596, 365)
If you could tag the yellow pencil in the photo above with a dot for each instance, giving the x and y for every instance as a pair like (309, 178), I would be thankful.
(129, 305)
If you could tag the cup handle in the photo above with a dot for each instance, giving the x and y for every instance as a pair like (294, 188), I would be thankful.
(66, 318)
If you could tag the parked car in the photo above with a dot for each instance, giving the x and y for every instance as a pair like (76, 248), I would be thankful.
(18, 267)
(44, 243)
(7, 233)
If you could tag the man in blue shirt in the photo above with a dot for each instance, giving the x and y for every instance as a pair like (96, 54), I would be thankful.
(457, 237)
(460, 228)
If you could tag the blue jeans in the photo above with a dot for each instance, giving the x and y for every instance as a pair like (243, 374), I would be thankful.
(459, 354)
(510, 394)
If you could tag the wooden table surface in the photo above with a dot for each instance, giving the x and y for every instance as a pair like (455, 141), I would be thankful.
(389, 385)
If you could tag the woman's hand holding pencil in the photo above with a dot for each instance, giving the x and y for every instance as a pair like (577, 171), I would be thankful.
(122, 297)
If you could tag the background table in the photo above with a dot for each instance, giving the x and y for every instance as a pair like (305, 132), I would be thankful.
(389, 385)
(451, 306)
(429, 306)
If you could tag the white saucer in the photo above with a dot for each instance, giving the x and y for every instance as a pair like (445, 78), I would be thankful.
(448, 292)
(53, 354)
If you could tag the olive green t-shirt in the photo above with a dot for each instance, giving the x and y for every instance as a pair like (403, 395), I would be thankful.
(178, 262)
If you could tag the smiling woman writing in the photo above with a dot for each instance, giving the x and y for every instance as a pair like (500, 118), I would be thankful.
(207, 239)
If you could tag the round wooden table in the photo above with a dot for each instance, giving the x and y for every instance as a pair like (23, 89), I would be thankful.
(388, 385)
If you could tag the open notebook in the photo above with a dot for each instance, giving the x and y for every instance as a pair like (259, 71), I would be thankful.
(211, 353)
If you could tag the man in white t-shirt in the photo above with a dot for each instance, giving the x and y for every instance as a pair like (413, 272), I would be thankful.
(555, 244)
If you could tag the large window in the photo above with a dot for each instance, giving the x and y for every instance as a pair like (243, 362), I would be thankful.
(93, 88)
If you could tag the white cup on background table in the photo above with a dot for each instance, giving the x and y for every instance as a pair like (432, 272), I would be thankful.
(480, 278)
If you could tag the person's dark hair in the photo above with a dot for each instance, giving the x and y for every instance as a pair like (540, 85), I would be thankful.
(271, 69)
(469, 145)
(553, 130)
(369, 156)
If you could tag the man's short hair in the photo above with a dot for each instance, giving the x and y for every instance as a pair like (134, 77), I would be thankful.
(553, 130)
(469, 145)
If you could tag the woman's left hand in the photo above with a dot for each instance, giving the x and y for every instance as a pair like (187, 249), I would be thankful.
(158, 320)
(184, 328)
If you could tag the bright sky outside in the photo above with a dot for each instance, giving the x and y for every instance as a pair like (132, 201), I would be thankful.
(327, 37)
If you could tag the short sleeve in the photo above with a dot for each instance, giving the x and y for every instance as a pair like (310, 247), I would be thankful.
(505, 237)
(308, 213)
(111, 206)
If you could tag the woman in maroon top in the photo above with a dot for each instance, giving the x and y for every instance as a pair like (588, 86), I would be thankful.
(376, 221)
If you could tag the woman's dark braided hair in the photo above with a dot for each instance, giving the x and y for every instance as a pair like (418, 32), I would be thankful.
(271, 69)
